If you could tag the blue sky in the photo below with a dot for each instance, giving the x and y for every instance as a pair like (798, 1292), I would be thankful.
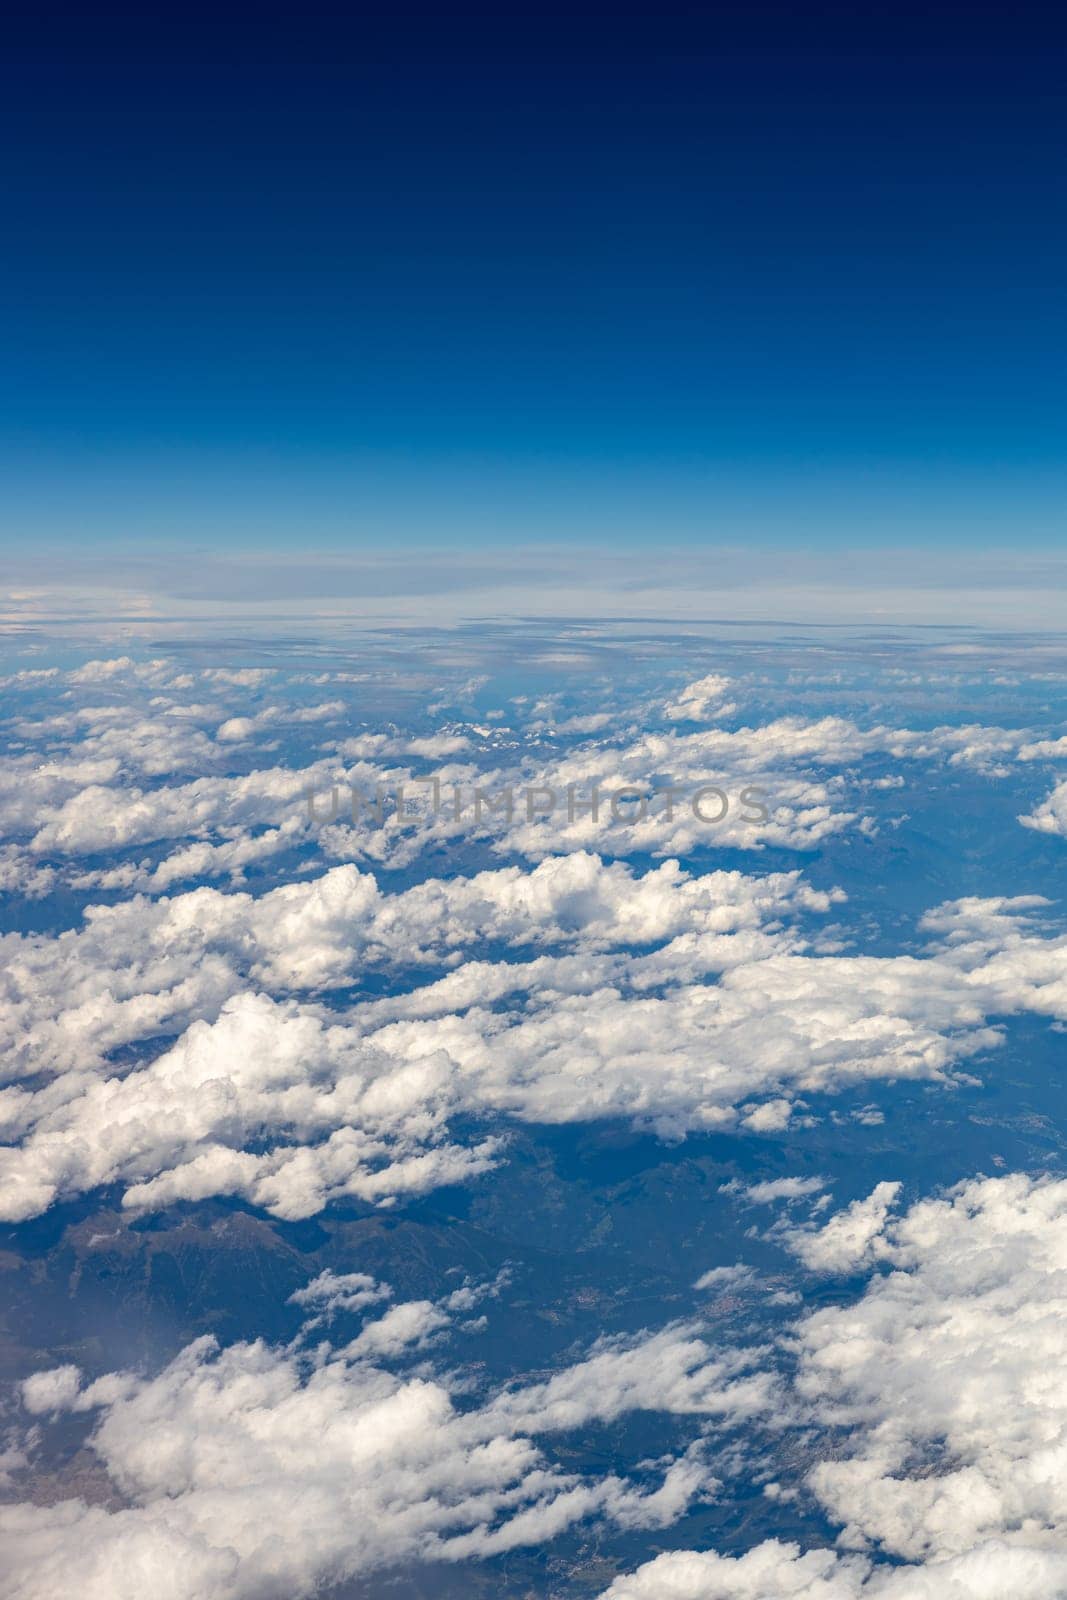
(437, 280)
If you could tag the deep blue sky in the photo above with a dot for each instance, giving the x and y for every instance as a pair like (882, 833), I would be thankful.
(710, 272)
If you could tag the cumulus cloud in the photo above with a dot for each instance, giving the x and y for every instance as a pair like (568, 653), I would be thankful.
(332, 1292)
(733, 1277)
(365, 1110)
(411, 1325)
(240, 1469)
(786, 807)
(141, 732)
(127, 741)
(332, 1039)
(236, 730)
(703, 698)
(779, 1571)
(342, 1121)
(29, 678)
(852, 1238)
(784, 785)
(791, 769)
(1044, 750)
(100, 816)
(950, 1372)
(239, 677)
(140, 968)
(436, 747)
(54, 1390)
(255, 1469)
(101, 671)
(940, 1392)
(23, 874)
(229, 859)
(363, 1101)
(1050, 816)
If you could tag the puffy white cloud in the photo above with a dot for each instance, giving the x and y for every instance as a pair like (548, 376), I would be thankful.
(436, 747)
(30, 787)
(852, 1238)
(237, 729)
(618, 1021)
(362, 1105)
(941, 1392)
(53, 1390)
(823, 741)
(116, 811)
(29, 678)
(1051, 815)
(138, 969)
(242, 1470)
(779, 1571)
(736, 1276)
(331, 1292)
(256, 1470)
(100, 816)
(101, 671)
(240, 1467)
(413, 1324)
(998, 946)
(706, 697)
(949, 1372)
(778, 791)
(131, 741)
(198, 860)
(1044, 750)
(23, 874)
(362, 1102)
(176, 1129)
(781, 766)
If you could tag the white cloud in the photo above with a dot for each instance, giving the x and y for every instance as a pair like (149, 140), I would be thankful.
(1051, 815)
(100, 817)
(242, 1468)
(23, 874)
(331, 1292)
(29, 678)
(101, 671)
(137, 969)
(794, 767)
(701, 699)
(1044, 750)
(198, 860)
(773, 1189)
(127, 740)
(236, 730)
(239, 677)
(411, 1324)
(436, 747)
(736, 1276)
(573, 991)
(852, 1238)
(362, 1102)
(53, 1390)
(940, 1392)
(779, 1571)
(256, 1470)
(950, 1372)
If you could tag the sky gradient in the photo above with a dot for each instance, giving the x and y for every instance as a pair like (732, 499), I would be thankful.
(735, 276)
